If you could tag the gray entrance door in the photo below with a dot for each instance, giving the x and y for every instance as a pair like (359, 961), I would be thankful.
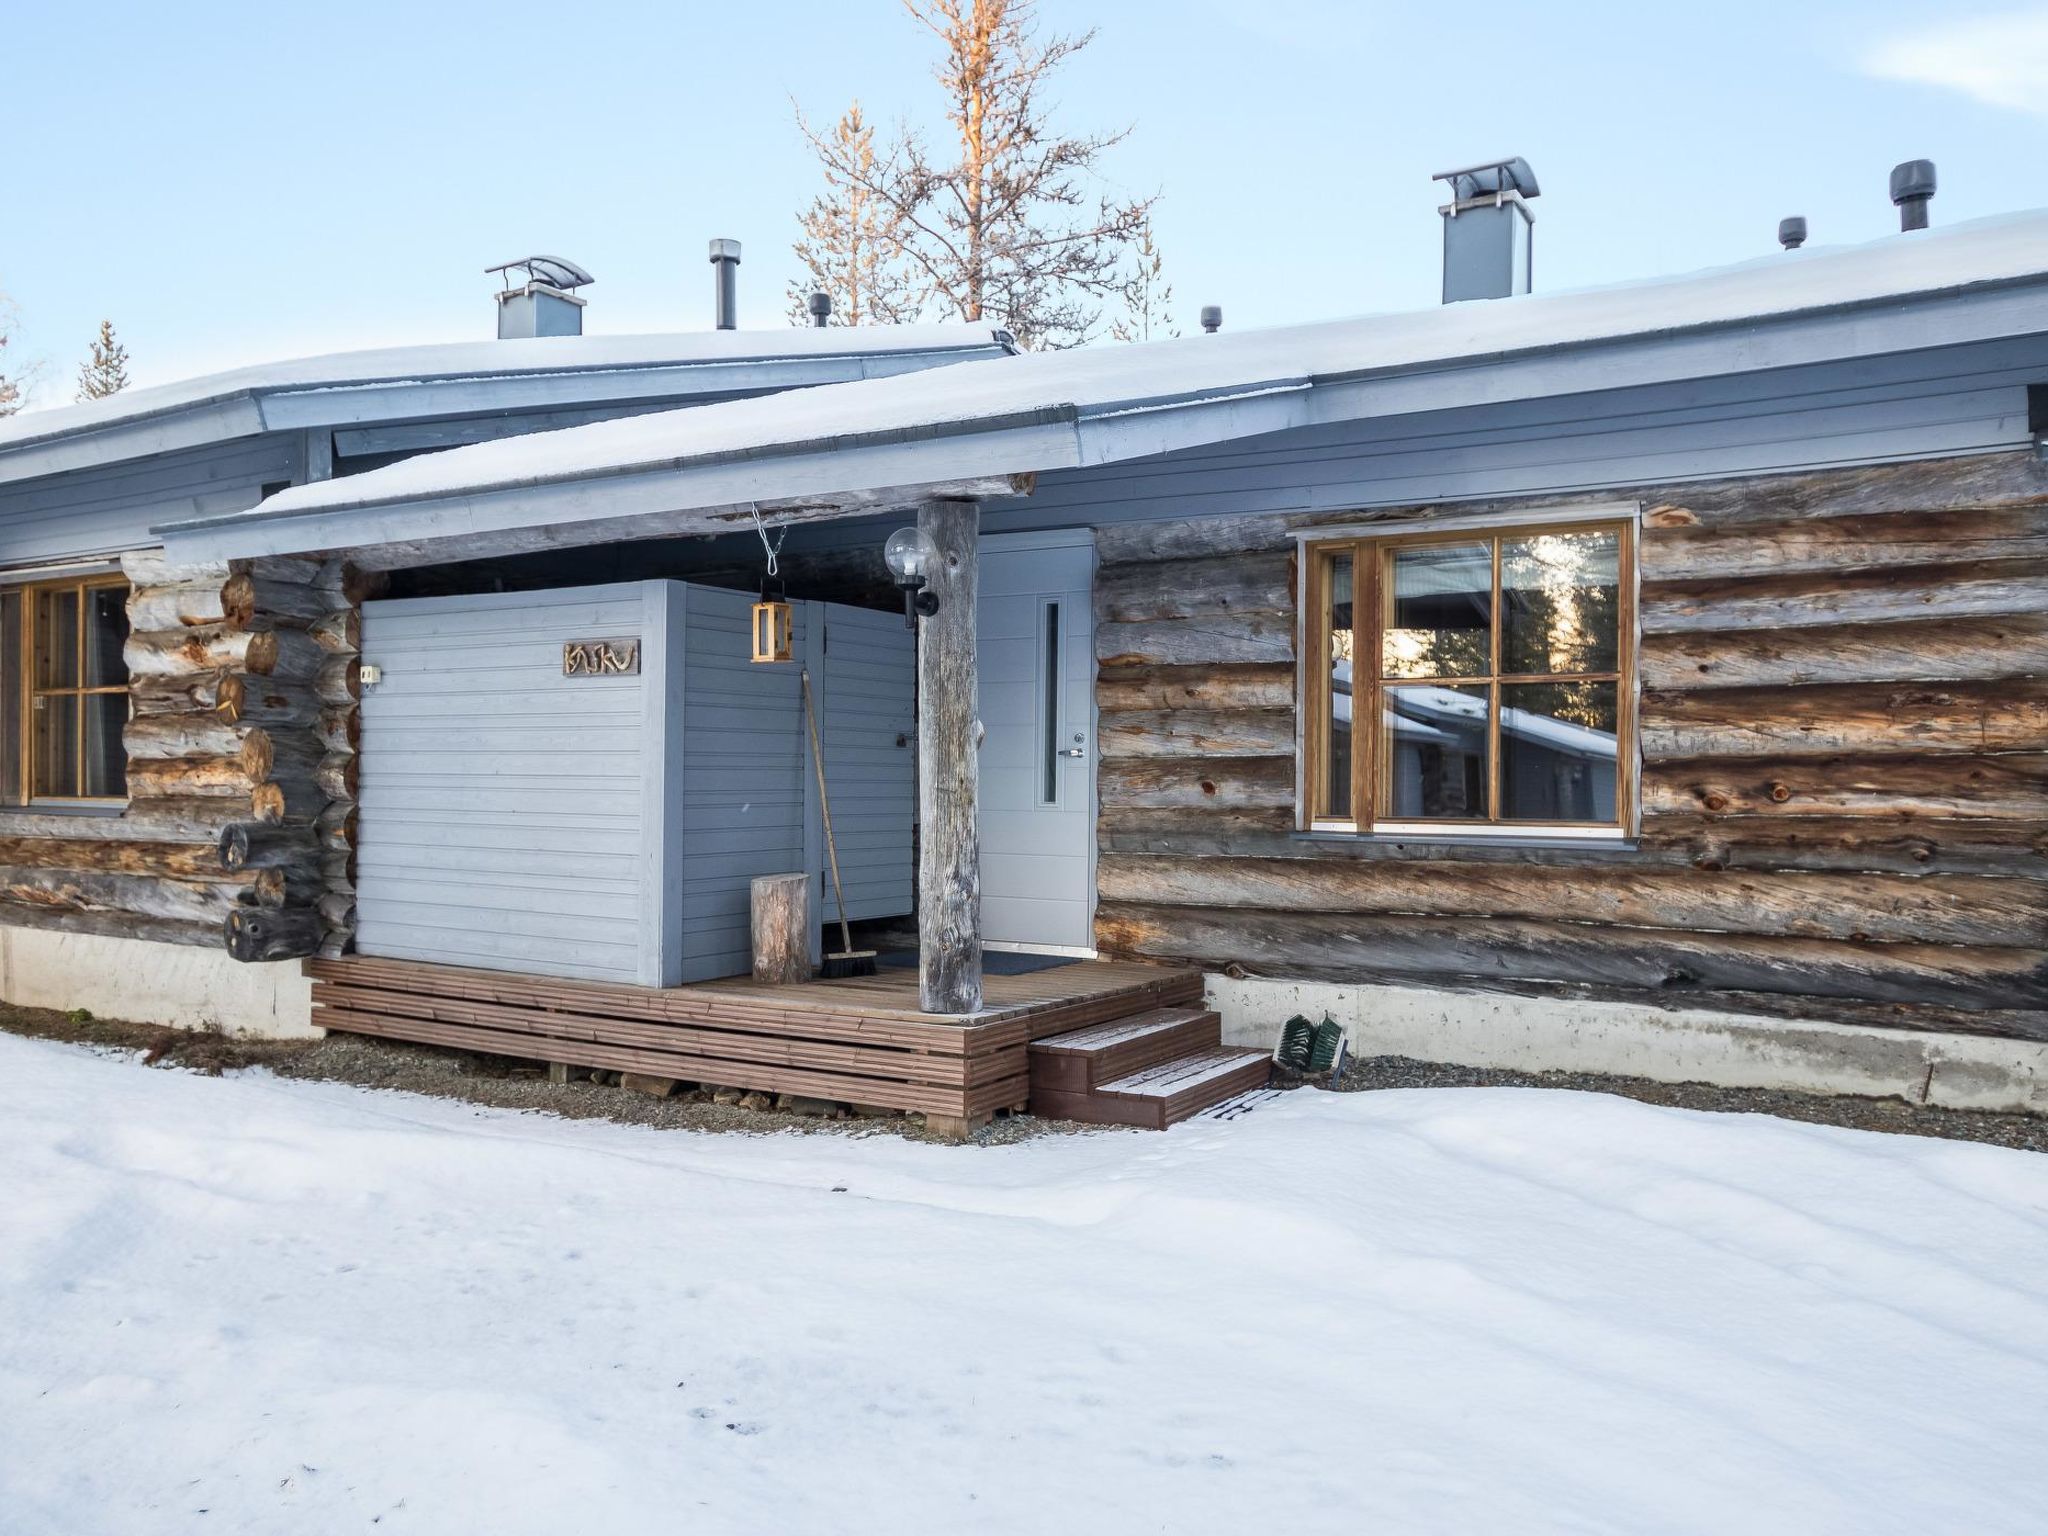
(1036, 645)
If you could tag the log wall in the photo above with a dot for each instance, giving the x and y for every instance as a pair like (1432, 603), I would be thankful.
(240, 741)
(1844, 736)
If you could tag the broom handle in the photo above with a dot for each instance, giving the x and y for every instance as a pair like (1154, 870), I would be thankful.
(825, 809)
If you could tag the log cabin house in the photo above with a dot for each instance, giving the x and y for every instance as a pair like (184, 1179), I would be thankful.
(1646, 678)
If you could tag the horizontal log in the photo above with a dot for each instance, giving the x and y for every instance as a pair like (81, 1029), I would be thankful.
(1962, 535)
(1212, 640)
(256, 934)
(212, 648)
(119, 925)
(286, 604)
(339, 631)
(197, 818)
(152, 568)
(338, 872)
(339, 681)
(337, 911)
(336, 828)
(339, 729)
(2014, 849)
(224, 600)
(274, 703)
(1237, 687)
(2013, 786)
(189, 777)
(1234, 783)
(1935, 651)
(124, 855)
(1262, 581)
(351, 584)
(1657, 964)
(298, 800)
(149, 738)
(192, 693)
(1991, 589)
(337, 775)
(181, 898)
(1195, 733)
(1928, 909)
(260, 845)
(2003, 716)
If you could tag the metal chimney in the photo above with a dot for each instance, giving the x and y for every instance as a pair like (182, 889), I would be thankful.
(1792, 232)
(543, 303)
(1912, 191)
(1487, 230)
(820, 306)
(725, 256)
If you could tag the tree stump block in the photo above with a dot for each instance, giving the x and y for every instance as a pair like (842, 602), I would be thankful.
(782, 928)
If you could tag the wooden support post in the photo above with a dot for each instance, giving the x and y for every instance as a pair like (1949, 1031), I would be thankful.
(949, 768)
(782, 928)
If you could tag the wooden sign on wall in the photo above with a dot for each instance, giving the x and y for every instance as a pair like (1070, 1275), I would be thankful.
(601, 658)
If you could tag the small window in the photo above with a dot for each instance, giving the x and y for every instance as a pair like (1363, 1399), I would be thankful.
(63, 692)
(1471, 681)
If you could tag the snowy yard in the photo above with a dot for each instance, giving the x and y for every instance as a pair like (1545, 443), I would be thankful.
(250, 1305)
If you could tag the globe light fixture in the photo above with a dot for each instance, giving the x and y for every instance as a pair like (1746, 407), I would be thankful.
(909, 554)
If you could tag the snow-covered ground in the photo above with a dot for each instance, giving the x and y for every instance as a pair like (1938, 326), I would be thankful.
(244, 1304)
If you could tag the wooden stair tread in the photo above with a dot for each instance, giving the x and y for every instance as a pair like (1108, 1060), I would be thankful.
(1100, 1037)
(1170, 1079)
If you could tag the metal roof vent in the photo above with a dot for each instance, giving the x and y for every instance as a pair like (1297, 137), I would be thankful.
(1792, 232)
(1212, 318)
(820, 306)
(1487, 227)
(543, 303)
(1912, 191)
(725, 256)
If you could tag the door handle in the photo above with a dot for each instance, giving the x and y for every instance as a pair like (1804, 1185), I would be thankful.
(1073, 752)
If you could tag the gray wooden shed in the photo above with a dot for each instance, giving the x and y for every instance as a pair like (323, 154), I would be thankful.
(517, 815)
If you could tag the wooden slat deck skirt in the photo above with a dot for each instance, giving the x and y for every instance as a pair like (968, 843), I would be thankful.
(861, 1040)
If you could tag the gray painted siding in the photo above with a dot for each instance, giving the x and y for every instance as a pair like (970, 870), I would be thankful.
(1945, 401)
(109, 510)
(867, 700)
(505, 810)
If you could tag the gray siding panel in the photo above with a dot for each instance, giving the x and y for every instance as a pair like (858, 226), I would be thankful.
(868, 702)
(106, 511)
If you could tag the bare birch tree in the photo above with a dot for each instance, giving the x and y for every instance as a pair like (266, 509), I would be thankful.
(852, 245)
(1147, 295)
(105, 370)
(13, 384)
(1006, 219)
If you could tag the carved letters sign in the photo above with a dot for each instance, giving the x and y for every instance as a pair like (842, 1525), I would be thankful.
(601, 658)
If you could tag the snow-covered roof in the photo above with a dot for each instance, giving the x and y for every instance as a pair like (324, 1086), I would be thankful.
(1050, 410)
(387, 382)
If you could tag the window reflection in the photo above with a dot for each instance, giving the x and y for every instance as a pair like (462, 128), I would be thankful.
(1558, 751)
(1561, 596)
(1337, 768)
(1436, 741)
(1440, 612)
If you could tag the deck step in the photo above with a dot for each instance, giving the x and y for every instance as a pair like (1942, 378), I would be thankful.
(1084, 1059)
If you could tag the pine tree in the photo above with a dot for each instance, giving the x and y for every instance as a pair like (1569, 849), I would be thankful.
(1001, 224)
(1147, 295)
(105, 370)
(852, 245)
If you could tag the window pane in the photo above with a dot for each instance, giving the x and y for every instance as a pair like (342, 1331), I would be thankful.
(55, 749)
(1562, 593)
(1557, 752)
(106, 630)
(1049, 703)
(56, 625)
(1436, 740)
(1440, 612)
(1337, 764)
(105, 770)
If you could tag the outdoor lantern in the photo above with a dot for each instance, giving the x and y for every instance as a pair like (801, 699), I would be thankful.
(774, 624)
(909, 554)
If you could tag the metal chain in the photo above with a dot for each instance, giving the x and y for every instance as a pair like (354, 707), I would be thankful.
(761, 528)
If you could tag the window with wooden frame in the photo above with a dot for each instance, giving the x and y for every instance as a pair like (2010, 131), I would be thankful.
(1471, 680)
(63, 692)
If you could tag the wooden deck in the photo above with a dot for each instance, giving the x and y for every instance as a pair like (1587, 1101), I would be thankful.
(859, 1040)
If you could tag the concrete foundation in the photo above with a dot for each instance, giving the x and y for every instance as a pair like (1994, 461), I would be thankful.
(1672, 1046)
(146, 983)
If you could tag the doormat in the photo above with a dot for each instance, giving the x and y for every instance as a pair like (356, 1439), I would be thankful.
(993, 962)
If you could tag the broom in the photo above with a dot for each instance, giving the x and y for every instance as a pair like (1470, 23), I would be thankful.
(846, 961)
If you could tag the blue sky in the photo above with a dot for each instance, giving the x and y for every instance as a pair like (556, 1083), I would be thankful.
(234, 182)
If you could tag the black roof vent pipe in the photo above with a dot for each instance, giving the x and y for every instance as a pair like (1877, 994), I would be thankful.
(820, 306)
(1912, 191)
(1792, 232)
(725, 256)
(1212, 318)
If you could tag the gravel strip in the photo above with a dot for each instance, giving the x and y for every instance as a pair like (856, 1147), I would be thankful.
(2025, 1133)
(487, 1080)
